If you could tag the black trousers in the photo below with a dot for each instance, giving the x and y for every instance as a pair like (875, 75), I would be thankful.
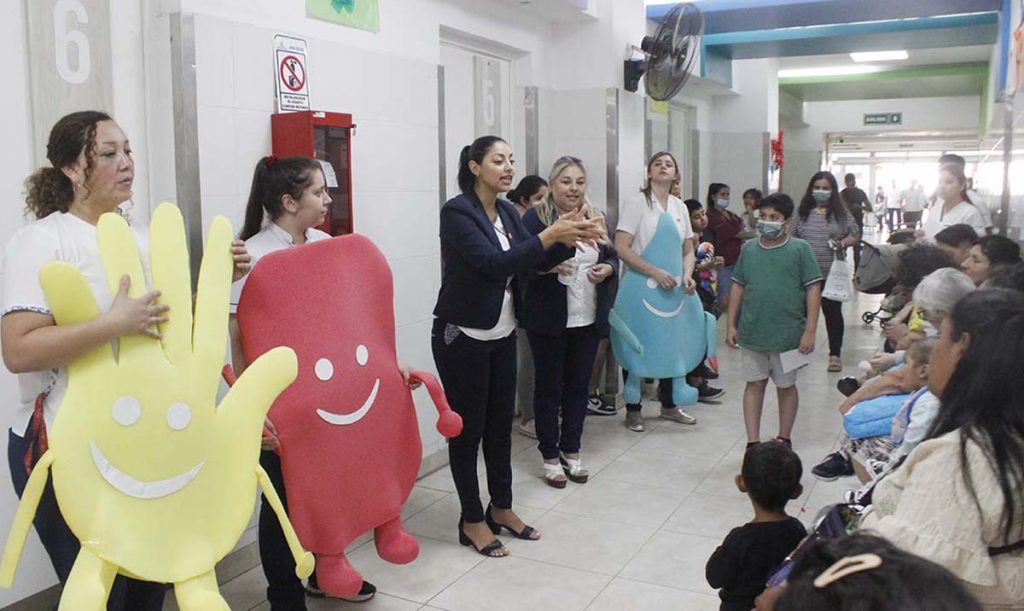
(562, 367)
(833, 311)
(62, 546)
(479, 379)
(285, 591)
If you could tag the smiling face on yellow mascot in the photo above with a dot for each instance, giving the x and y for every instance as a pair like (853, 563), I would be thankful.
(155, 479)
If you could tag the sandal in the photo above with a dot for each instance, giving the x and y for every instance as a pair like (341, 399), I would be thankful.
(553, 475)
(526, 533)
(835, 365)
(487, 550)
(573, 469)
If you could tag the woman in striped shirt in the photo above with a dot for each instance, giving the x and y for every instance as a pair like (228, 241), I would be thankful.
(826, 225)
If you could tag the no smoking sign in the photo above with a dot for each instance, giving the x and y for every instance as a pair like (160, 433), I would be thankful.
(291, 75)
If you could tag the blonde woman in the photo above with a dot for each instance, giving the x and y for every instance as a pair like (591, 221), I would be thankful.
(565, 315)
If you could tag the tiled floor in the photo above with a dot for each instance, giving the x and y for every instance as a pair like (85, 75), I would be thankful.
(635, 537)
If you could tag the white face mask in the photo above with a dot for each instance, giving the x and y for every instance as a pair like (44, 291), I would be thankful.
(769, 230)
(821, 195)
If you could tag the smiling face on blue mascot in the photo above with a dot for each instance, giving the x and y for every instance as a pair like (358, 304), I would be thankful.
(657, 332)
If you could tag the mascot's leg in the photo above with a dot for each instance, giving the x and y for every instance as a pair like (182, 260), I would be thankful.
(683, 394)
(336, 577)
(89, 583)
(200, 594)
(394, 544)
(631, 389)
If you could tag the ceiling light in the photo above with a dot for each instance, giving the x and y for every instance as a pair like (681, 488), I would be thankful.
(827, 71)
(878, 56)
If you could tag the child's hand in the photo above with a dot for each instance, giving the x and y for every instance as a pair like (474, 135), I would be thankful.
(689, 285)
(732, 337)
(719, 262)
(806, 342)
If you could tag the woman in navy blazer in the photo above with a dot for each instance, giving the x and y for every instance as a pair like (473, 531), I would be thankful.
(484, 248)
(566, 311)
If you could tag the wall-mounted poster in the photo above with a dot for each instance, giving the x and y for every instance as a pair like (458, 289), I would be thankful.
(360, 14)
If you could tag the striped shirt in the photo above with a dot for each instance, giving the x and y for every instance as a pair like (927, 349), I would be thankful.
(817, 231)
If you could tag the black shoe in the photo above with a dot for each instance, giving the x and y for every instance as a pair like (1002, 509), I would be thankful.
(597, 407)
(487, 550)
(848, 385)
(366, 592)
(709, 394)
(834, 466)
(703, 371)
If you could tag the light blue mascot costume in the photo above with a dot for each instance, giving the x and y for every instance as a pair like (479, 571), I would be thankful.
(659, 333)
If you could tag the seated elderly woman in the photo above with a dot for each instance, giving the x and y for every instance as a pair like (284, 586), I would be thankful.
(869, 455)
(958, 499)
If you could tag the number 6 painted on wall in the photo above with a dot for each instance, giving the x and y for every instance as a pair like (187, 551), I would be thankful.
(64, 39)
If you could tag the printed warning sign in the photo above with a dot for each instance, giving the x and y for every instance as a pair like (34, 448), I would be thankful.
(291, 73)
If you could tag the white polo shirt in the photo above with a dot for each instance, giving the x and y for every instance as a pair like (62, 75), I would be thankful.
(964, 212)
(639, 218)
(270, 239)
(58, 237)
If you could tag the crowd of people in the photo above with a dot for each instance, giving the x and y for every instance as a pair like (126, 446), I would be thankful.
(933, 424)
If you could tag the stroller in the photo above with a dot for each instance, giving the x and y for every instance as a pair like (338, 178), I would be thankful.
(875, 276)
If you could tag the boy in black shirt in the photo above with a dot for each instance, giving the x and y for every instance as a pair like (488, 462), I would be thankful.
(743, 562)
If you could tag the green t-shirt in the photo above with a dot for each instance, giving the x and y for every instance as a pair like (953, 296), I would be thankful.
(775, 281)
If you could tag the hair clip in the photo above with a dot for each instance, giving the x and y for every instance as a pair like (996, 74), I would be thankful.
(847, 566)
(269, 161)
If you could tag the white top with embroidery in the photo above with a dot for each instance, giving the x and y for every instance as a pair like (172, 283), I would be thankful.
(58, 237)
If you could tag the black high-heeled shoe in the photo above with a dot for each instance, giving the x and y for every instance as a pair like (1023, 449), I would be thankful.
(496, 527)
(487, 550)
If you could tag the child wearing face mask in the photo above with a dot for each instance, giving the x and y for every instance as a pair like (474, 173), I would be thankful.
(778, 285)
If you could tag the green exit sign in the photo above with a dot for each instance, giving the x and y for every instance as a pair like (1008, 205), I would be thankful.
(883, 118)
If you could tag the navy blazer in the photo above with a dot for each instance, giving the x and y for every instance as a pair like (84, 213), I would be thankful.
(546, 308)
(474, 268)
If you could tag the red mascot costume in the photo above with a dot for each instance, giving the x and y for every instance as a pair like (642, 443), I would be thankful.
(350, 444)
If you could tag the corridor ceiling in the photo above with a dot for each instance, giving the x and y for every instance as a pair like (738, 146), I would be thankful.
(949, 43)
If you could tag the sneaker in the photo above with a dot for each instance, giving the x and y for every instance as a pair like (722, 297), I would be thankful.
(528, 428)
(709, 394)
(597, 407)
(834, 466)
(848, 385)
(365, 593)
(635, 421)
(703, 371)
(678, 415)
(851, 497)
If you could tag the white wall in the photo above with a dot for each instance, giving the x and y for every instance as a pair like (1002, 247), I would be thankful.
(804, 145)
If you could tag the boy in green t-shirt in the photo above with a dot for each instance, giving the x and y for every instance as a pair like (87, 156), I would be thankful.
(777, 285)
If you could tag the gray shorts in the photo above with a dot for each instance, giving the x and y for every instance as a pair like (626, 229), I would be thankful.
(759, 366)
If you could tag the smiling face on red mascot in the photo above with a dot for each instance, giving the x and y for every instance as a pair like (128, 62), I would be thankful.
(350, 444)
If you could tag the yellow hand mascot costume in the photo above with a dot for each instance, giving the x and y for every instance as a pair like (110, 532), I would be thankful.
(156, 480)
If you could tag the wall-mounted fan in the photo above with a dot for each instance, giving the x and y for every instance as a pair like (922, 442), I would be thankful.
(669, 56)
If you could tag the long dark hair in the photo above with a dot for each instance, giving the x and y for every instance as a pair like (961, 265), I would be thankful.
(646, 190)
(983, 398)
(836, 210)
(271, 180)
(474, 152)
(49, 190)
(526, 189)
